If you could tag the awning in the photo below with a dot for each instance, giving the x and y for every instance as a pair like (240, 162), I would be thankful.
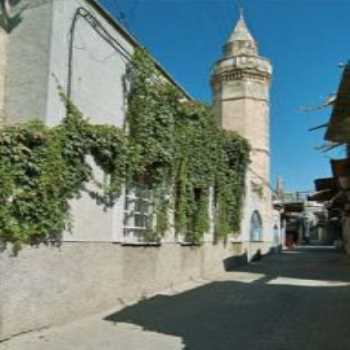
(293, 207)
(322, 196)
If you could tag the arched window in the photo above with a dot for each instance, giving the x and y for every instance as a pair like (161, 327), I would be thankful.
(256, 226)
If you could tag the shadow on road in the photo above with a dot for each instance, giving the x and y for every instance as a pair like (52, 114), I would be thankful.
(258, 315)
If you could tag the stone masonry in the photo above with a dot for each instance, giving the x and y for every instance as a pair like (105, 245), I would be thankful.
(240, 84)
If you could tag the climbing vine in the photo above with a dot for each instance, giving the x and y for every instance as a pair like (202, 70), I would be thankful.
(43, 168)
(171, 145)
(185, 153)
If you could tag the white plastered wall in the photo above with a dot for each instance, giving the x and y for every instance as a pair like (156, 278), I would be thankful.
(97, 71)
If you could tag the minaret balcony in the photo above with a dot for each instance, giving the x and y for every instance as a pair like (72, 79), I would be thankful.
(244, 62)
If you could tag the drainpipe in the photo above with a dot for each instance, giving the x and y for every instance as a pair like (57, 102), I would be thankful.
(6, 12)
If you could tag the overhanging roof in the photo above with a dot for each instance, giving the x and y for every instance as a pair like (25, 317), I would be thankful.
(340, 200)
(293, 206)
(334, 190)
(322, 196)
(327, 183)
(339, 125)
(340, 167)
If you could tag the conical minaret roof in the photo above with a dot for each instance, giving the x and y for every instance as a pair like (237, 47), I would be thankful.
(241, 31)
(241, 41)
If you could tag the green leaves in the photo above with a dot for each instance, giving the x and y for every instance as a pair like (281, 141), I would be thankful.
(180, 144)
(151, 119)
(174, 146)
(41, 169)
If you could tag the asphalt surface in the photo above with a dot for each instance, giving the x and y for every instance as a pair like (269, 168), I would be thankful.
(296, 300)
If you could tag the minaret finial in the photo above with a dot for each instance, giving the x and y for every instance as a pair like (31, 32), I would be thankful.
(241, 33)
(240, 8)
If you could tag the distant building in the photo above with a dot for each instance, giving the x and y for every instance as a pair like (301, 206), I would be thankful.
(305, 220)
(334, 191)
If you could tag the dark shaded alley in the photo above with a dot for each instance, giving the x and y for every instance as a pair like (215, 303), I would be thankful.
(301, 302)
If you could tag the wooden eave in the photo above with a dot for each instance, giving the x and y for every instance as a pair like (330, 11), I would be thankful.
(339, 125)
(340, 200)
(340, 167)
(293, 207)
(328, 183)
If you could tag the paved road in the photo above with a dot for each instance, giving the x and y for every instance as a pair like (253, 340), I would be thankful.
(296, 300)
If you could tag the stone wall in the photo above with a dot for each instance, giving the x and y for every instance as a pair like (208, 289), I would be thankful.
(241, 83)
(3, 60)
(346, 234)
(47, 286)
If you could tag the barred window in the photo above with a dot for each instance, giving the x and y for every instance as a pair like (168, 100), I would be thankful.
(139, 217)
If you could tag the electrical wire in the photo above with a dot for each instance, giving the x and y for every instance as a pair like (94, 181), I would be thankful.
(86, 15)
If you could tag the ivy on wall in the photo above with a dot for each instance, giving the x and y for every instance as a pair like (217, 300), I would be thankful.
(172, 146)
(43, 168)
(186, 154)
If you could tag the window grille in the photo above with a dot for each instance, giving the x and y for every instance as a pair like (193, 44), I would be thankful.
(138, 214)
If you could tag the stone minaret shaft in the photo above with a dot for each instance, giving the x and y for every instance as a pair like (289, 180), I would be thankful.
(240, 84)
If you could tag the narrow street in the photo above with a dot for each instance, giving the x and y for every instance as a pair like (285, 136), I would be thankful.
(296, 300)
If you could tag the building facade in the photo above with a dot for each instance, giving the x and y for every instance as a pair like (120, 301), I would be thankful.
(77, 45)
(334, 191)
(240, 84)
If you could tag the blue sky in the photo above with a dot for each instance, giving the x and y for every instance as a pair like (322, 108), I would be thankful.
(305, 40)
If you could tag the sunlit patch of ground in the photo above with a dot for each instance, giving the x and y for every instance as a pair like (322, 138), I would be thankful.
(285, 281)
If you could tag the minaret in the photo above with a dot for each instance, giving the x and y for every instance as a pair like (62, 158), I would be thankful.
(279, 190)
(240, 84)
